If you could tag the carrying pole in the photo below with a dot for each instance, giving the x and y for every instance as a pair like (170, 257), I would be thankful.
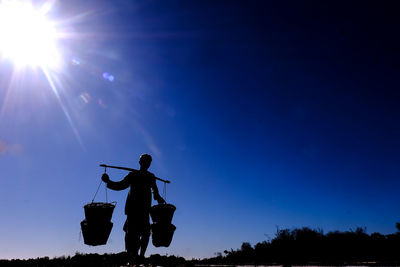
(130, 169)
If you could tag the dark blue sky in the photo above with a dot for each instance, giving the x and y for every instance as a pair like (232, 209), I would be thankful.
(262, 113)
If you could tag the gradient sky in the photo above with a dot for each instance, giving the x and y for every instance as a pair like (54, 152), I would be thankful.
(263, 114)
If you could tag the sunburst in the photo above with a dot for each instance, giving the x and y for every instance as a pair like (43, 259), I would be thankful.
(27, 36)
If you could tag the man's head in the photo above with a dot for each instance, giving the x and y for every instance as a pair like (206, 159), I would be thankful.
(145, 161)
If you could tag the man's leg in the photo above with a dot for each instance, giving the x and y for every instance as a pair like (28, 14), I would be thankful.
(132, 240)
(144, 241)
(144, 234)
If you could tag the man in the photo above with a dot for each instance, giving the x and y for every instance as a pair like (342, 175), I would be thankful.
(137, 207)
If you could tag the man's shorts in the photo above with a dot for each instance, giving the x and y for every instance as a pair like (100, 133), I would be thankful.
(139, 224)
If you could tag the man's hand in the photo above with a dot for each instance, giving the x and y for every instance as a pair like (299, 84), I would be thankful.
(105, 178)
(160, 200)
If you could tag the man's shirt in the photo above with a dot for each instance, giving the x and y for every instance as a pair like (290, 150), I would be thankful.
(141, 183)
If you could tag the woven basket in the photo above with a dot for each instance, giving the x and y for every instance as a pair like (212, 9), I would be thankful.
(162, 213)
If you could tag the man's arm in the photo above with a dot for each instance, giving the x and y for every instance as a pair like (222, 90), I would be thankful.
(121, 185)
(156, 195)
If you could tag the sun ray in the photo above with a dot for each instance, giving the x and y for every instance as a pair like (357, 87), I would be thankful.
(14, 76)
(63, 107)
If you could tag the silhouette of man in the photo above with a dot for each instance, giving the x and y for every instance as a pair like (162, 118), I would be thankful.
(137, 207)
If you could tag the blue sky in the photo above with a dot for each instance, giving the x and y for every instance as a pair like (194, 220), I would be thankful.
(262, 114)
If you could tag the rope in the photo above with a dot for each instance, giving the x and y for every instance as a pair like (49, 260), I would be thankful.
(165, 192)
(106, 194)
(105, 171)
(97, 191)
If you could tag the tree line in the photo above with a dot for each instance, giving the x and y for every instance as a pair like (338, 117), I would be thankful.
(93, 260)
(302, 246)
(298, 246)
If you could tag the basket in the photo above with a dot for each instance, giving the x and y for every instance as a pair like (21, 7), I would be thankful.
(96, 227)
(99, 211)
(162, 213)
(96, 232)
(162, 234)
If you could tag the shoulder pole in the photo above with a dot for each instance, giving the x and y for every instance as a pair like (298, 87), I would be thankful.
(130, 169)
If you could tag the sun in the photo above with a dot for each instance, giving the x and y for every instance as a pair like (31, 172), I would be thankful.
(27, 36)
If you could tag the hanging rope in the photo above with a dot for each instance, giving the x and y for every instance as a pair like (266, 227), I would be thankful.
(97, 191)
(165, 192)
(105, 171)
(106, 194)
